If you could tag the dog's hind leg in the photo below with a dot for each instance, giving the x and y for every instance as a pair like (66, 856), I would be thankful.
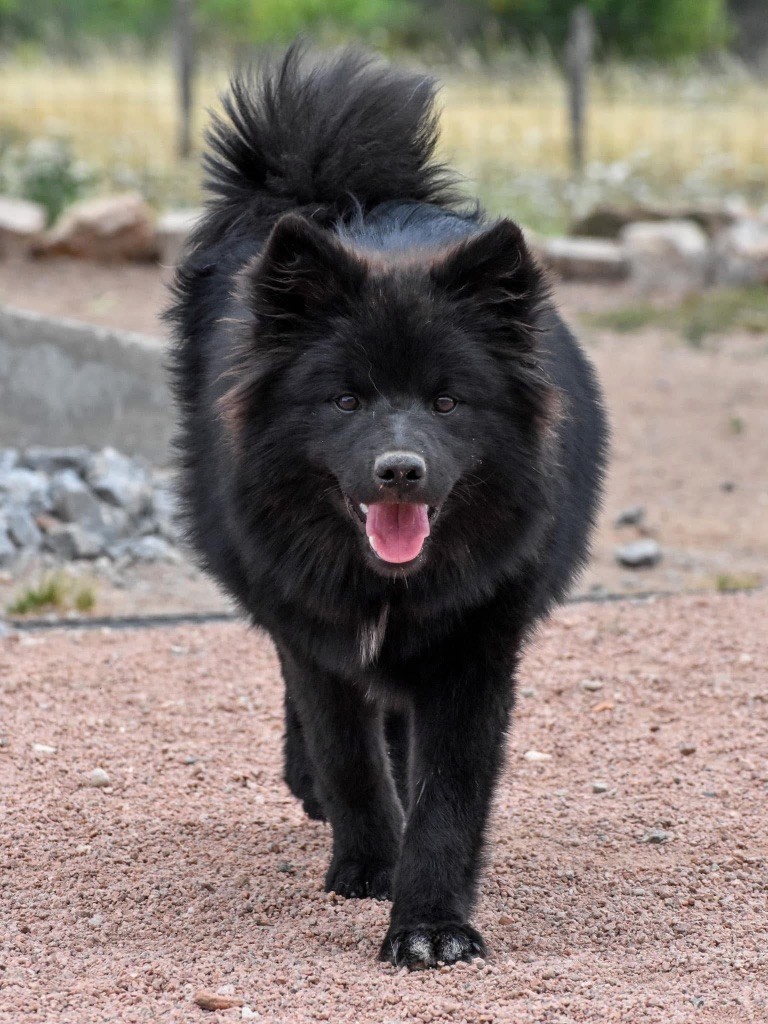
(298, 766)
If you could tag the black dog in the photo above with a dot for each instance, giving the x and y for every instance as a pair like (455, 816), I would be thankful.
(392, 455)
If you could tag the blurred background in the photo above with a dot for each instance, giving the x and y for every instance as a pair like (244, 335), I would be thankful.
(629, 137)
(92, 92)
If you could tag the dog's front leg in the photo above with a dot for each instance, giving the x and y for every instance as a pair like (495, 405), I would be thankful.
(459, 726)
(344, 735)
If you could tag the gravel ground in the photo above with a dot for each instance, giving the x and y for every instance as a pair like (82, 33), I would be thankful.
(188, 867)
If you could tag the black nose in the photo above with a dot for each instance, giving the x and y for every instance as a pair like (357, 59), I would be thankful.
(400, 469)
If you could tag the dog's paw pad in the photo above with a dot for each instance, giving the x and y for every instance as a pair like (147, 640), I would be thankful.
(429, 945)
(360, 879)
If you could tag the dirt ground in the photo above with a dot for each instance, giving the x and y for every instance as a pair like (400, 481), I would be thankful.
(690, 438)
(193, 869)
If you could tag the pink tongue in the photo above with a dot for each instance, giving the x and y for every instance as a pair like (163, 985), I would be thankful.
(397, 532)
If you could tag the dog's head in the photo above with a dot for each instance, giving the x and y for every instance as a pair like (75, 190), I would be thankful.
(394, 391)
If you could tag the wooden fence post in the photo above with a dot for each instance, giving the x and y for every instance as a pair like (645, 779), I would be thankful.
(578, 57)
(185, 67)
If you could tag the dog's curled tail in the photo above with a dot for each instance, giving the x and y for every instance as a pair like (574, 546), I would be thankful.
(335, 136)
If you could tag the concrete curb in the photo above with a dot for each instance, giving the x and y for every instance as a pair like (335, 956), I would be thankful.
(64, 382)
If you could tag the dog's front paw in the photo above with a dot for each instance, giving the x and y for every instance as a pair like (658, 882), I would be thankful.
(427, 945)
(360, 878)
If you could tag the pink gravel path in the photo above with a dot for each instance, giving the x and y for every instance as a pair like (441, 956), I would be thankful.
(194, 869)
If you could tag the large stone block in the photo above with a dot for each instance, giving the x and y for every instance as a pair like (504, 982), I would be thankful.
(21, 226)
(671, 256)
(111, 228)
(585, 259)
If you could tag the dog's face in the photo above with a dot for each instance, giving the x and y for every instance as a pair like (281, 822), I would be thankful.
(404, 388)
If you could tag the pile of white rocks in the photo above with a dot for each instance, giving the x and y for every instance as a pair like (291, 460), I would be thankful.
(73, 503)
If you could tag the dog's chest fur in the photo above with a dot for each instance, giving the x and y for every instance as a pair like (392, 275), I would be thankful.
(371, 636)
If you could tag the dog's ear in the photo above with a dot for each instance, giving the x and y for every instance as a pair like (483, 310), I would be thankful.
(495, 273)
(303, 272)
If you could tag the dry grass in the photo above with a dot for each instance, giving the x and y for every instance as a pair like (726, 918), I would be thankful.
(692, 132)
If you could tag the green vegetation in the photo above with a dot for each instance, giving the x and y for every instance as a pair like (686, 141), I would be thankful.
(727, 582)
(42, 169)
(713, 313)
(659, 29)
(56, 592)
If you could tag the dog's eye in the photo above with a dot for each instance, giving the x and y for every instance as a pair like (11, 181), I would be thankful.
(444, 404)
(347, 403)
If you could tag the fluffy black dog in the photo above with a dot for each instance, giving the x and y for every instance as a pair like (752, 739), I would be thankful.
(392, 455)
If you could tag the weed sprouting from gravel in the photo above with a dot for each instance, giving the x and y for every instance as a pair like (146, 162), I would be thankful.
(55, 592)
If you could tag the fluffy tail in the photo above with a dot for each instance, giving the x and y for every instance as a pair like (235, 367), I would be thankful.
(333, 137)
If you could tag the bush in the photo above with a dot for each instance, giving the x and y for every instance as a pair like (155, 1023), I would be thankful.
(45, 171)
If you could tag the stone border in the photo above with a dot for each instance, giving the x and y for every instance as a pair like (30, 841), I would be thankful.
(66, 382)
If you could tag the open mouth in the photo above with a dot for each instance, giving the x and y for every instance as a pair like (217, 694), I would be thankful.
(396, 531)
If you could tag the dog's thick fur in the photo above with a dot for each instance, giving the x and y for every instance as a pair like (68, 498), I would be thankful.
(334, 302)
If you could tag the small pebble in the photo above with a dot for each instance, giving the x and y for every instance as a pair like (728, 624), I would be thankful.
(214, 1001)
(43, 748)
(686, 749)
(656, 836)
(639, 554)
(536, 755)
(631, 516)
(591, 685)
(98, 778)
(600, 787)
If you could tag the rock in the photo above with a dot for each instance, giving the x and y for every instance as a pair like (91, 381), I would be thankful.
(639, 554)
(591, 685)
(687, 749)
(585, 259)
(171, 232)
(112, 228)
(214, 1001)
(671, 256)
(43, 748)
(655, 836)
(25, 487)
(115, 524)
(120, 481)
(740, 253)
(9, 458)
(166, 513)
(608, 221)
(73, 501)
(600, 787)
(98, 778)
(536, 756)
(22, 528)
(21, 225)
(72, 541)
(52, 460)
(632, 516)
(145, 549)
(8, 550)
